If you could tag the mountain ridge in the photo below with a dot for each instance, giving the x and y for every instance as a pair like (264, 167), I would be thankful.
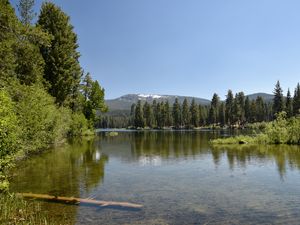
(124, 102)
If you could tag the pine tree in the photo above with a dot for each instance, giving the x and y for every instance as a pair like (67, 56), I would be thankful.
(240, 100)
(194, 112)
(8, 26)
(87, 86)
(155, 114)
(185, 113)
(289, 104)
(177, 114)
(214, 109)
(148, 115)
(222, 114)
(278, 101)
(229, 107)
(132, 114)
(93, 96)
(25, 8)
(247, 109)
(296, 100)
(19, 49)
(203, 115)
(139, 115)
(252, 113)
(168, 113)
(62, 69)
(260, 109)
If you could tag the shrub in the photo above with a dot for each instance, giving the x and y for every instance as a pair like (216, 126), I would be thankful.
(79, 125)
(8, 136)
(41, 121)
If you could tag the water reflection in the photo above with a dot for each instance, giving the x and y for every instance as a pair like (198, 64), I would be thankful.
(71, 170)
(150, 148)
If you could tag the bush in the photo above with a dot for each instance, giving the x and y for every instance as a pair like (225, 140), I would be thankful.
(277, 131)
(280, 131)
(79, 125)
(41, 121)
(8, 136)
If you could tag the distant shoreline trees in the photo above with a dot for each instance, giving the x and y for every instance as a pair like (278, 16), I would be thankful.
(235, 111)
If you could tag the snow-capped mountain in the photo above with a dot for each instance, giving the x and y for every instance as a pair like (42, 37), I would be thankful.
(124, 102)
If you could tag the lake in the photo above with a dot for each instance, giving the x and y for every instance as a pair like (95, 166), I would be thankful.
(177, 176)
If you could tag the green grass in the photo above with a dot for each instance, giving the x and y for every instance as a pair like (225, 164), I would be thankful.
(241, 139)
(279, 131)
(15, 210)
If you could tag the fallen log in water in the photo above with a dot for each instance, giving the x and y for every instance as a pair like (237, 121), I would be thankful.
(80, 200)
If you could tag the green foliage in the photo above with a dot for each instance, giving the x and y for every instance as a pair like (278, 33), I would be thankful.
(62, 69)
(8, 125)
(213, 116)
(278, 101)
(8, 136)
(93, 100)
(234, 140)
(229, 107)
(186, 116)
(279, 131)
(289, 104)
(177, 114)
(41, 121)
(79, 125)
(139, 117)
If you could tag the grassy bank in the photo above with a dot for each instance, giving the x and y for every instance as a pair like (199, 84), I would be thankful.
(280, 131)
(15, 210)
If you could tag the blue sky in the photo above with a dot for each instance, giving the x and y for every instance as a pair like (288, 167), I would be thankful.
(187, 47)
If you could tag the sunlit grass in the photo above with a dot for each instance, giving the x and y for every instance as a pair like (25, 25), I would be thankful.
(15, 210)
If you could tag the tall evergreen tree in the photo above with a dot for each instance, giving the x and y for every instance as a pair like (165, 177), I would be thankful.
(25, 8)
(19, 48)
(185, 113)
(93, 100)
(62, 70)
(214, 109)
(289, 104)
(177, 114)
(252, 113)
(260, 109)
(278, 101)
(132, 115)
(203, 115)
(148, 115)
(247, 109)
(154, 109)
(139, 115)
(194, 112)
(222, 114)
(296, 100)
(168, 113)
(229, 107)
(240, 99)
(87, 86)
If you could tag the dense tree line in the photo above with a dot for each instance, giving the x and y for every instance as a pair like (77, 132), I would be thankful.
(235, 111)
(44, 94)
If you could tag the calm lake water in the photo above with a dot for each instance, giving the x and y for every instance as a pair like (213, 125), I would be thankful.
(178, 177)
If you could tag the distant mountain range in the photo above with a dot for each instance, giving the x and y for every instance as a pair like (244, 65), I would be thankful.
(124, 102)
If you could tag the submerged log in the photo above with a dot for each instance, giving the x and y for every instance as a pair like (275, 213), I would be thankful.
(72, 200)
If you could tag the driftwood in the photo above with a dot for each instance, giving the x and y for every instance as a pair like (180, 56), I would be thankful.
(73, 200)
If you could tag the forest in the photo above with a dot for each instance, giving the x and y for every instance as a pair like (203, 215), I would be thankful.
(237, 110)
(45, 96)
